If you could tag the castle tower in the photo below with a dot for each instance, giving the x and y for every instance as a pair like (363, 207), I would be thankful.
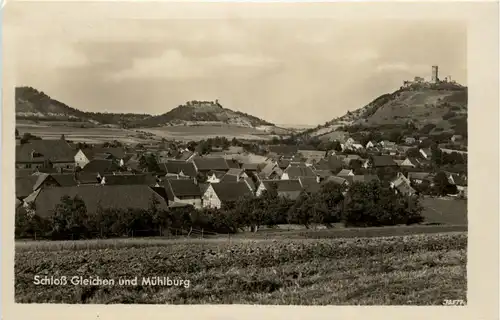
(434, 78)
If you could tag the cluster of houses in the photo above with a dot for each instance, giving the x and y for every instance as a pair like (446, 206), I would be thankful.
(113, 177)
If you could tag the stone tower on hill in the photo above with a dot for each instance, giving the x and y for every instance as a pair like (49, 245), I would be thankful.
(435, 74)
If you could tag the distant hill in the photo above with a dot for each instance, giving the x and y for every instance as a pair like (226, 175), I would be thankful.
(202, 112)
(32, 104)
(435, 108)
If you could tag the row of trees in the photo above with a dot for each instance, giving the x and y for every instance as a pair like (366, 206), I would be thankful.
(370, 204)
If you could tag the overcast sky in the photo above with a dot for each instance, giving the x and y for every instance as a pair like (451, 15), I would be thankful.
(287, 71)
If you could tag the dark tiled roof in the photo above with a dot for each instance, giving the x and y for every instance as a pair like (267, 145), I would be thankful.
(185, 155)
(283, 185)
(365, 178)
(177, 166)
(52, 150)
(64, 179)
(418, 175)
(130, 179)
(86, 177)
(250, 166)
(231, 191)
(101, 166)
(310, 184)
(24, 185)
(332, 163)
(283, 164)
(383, 161)
(206, 164)
(323, 173)
(235, 172)
(218, 174)
(335, 179)
(182, 188)
(114, 197)
(344, 173)
(298, 171)
(23, 172)
(233, 164)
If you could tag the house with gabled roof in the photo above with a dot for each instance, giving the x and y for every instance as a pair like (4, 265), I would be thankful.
(105, 197)
(290, 189)
(332, 163)
(297, 171)
(460, 181)
(215, 176)
(27, 185)
(184, 191)
(45, 154)
(271, 171)
(234, 175)
(408, 162)
(420, 177)
(84, 156)
(402, 185)
(344, 173)
(350, 157)
(101, 166)
(179, 167)
(310, 184)
(336, 180)
(323, 174)
(363, 178)
(186, 155)
(218, 194)
(147, 179)
(207, 164)
(383, 161)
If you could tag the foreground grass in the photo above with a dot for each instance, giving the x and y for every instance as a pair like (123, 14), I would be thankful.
(335, 233)
(416, 270)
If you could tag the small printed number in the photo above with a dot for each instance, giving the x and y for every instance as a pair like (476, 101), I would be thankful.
(448, 302)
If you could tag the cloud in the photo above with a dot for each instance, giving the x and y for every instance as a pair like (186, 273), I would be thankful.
(172, 64)
(403, 67)
(50, 55)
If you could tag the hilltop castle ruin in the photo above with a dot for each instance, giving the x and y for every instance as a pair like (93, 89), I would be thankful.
(434, 79)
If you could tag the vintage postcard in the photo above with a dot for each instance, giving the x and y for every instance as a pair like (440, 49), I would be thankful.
(275, 154)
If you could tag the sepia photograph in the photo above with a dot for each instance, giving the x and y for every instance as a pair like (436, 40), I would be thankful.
(237, 159)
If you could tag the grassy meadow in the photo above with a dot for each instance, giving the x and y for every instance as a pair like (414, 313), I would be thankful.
(422, 269)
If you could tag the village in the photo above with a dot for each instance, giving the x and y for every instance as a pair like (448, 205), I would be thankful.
(182, 174)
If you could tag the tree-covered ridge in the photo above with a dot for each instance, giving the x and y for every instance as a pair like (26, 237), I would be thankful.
(34, 104)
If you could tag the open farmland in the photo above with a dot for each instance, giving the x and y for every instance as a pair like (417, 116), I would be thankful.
(445, 211)
(208, 131)
(88, 133)
(76, 133)
(413, 270)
